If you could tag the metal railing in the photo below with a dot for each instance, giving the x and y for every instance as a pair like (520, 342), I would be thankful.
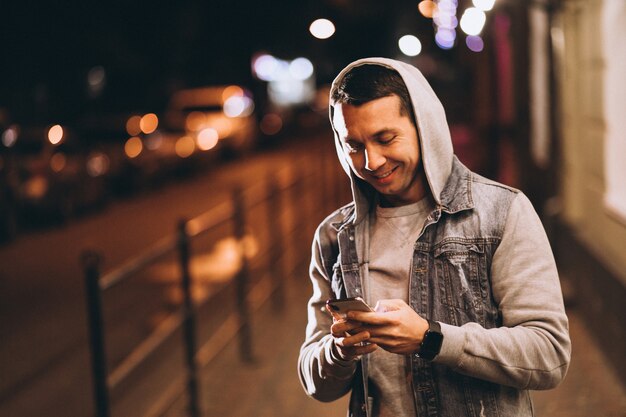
(319, 183)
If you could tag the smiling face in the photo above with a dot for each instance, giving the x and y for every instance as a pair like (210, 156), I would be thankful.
(383, 148)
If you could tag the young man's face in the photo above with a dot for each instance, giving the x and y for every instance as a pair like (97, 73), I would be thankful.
(383, 148)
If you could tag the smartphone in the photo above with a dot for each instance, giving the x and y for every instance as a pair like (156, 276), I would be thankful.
(342, 305)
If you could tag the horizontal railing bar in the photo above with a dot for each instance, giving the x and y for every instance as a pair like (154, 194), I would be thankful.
(258, 295)
(210, 219)
(157, 250)
(145, 348)
(257, 193)
(282, 180)
(198, 225)
(168, 398)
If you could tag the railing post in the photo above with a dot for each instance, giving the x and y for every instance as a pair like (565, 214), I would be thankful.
(241, 280)
(189, 327)
(91, 267)
(274, 213)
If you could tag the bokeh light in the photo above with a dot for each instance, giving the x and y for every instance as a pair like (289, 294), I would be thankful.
(58, 162)
(132, 125)
(265, 67)
(271, 124)
(97, 164)
(301, 68)
(444, 38)
(148, 123)
(9, 136)
(410, 45)
(236, 106)
(427, 8)
(96, 76)
(230, 91)
(473, 21)
(133, 147)
(446, 20)
(474, 43)
(154, 141)
(322, 28)
(185, 146)
(55, 134)
(447, 7)
(484, 5)
(195, 121)
(207, 139)
(223, 126)
(96, 80)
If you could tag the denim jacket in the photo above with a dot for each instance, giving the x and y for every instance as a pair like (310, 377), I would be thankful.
(451, 282)
(482, 267)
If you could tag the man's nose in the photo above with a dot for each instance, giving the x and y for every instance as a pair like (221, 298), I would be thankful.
(373, 159)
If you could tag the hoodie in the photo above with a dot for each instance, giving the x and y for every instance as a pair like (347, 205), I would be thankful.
(485, 271)
(430, 122)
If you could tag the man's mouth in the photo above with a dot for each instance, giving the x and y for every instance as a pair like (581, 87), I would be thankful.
(383, 175)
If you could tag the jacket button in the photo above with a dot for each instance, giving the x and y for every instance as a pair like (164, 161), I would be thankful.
(351, 238)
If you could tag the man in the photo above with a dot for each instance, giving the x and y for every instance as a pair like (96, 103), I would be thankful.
(468, 309)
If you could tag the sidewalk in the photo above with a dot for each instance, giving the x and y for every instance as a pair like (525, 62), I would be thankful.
(270, 387)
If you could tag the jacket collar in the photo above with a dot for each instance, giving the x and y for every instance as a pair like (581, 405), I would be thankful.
(456, 195)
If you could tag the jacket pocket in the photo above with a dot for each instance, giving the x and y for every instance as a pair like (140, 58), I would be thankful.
(462, 279)
(336, 281)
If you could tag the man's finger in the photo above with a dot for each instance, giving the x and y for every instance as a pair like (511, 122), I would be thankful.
(365, 349)
(341, 327)
(380, 340)
(353, 340)
(368, 318)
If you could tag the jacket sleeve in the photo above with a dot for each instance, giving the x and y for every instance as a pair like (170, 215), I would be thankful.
(323, 374)
(531, 350)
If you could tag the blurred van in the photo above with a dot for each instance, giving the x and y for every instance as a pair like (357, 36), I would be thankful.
(220, 117)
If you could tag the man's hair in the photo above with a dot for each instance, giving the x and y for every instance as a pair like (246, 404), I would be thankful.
(370, 82)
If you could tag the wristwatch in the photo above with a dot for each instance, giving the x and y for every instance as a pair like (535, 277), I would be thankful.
(431, 344)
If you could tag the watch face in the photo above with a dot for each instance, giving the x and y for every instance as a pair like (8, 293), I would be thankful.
(431, 345)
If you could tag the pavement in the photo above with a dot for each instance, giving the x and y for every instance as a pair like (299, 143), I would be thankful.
(229, 386)
(269, 386)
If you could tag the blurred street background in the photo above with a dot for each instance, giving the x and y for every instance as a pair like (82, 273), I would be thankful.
(163, 168)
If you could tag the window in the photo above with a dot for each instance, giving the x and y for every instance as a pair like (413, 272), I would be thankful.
(614, 33)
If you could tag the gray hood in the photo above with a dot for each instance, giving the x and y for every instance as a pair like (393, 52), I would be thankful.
(432, 129)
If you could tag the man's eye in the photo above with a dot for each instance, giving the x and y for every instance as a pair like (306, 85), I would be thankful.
(353, 147)
(386, 140)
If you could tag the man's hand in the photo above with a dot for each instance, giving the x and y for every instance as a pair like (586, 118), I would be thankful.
(395, 326)
(350, 339)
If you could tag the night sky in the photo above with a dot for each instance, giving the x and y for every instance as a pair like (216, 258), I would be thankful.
(149, 49)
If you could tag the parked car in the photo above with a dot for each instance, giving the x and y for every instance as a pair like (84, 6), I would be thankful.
(56, 180)
(220, 117)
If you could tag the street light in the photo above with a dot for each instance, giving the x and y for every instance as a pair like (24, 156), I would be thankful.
(410, 45)
(322, 28)
(55, 134)
(473, 20)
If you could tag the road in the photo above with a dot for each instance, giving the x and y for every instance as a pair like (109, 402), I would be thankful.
(44, 360)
